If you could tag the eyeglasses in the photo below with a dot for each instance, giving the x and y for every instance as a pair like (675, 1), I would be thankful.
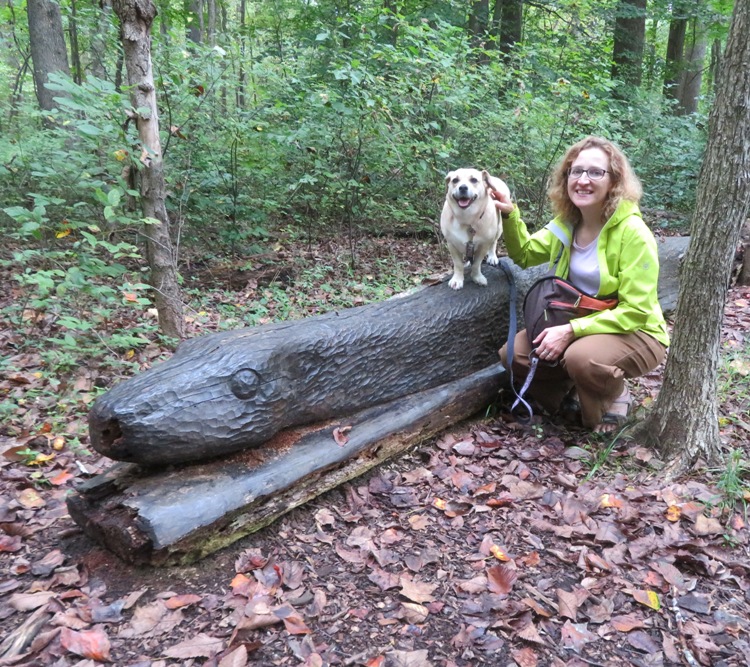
(594, 174)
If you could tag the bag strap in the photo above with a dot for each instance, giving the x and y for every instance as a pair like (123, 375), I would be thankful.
(509, 348)
(512, 330)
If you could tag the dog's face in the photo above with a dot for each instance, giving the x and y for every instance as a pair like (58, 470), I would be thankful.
(466, 186)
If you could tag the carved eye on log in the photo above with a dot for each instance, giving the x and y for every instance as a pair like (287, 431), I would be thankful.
(244, 383)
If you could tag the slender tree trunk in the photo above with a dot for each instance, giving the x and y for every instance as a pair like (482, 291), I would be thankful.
(99, 40)
(629, 40)
(211, 18)
(692, 75)
(194, 14)
(684, 423)
(241, 69)
(48, 52)
(136, 17)
(675, 46)
(508, 23)
(75, 54)
(478, 20)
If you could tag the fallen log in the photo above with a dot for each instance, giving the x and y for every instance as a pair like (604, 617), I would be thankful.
(395, 381)
(180, 515)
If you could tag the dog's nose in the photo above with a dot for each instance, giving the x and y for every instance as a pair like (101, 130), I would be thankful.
(463, 188)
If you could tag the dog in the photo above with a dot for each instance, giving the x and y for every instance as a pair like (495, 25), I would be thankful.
(470, 220)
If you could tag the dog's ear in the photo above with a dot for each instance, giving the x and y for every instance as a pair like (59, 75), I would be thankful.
(448, 177)
(487, 178)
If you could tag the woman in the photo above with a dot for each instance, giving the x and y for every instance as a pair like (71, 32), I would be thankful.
(606, 249)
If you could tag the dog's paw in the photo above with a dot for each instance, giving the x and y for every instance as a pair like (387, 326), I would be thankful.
(493, 259)
(479, 279)
(456, 282)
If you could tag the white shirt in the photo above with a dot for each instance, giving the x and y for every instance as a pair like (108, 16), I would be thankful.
(584, 267)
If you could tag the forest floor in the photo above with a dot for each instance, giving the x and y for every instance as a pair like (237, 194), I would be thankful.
(494, 543)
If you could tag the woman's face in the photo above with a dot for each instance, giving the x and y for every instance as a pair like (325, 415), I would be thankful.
(587, 192)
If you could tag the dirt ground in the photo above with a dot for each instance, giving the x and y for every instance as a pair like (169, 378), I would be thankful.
(495, 543)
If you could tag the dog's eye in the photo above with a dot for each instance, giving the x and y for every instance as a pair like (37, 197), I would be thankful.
(474, 180)
(455, 180)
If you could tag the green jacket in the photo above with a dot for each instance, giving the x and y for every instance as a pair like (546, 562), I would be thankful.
(628, 263)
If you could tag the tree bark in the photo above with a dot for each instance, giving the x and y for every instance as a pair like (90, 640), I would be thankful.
(136, 17)
(178, 516)
(692, 74)
(673, 65)
(478, 20)
(629, 40)
(99, 40)
(48, 51)
(684, 423)
(194, 15)
(508, 22)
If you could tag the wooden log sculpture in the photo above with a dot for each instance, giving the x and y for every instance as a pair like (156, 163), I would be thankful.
(238, 428)
(226, 392)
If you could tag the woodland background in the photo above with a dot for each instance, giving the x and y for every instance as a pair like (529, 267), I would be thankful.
(304, 150)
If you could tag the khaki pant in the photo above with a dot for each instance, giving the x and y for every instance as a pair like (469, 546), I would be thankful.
(595, 365)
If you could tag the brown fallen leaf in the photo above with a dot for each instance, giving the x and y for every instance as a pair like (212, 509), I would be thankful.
(576, 636)
(199, 646)
(627, 622)
(525, 657)
(647, 598)
(10, 543)
(536, 607)
(416, 591)
(30, 499)
(181, 601)
(293, 621)
(567, 604)
(408, 658)
(530, 634)
(92, 644)
(30, 601)
(707, 525)
(500, 578)
(642, 641)
(415, 613)
(48, 564)
(237, 658)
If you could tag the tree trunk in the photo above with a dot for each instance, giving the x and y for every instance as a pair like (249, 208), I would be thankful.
(241, 64)
(136, 17)
(690, 81)
(75, 54)
(684, 422)
(99, 40)
(478, 20)
(48, 52)
(673, 65)
(211, 18)
(629, 40)
(508, 23)
(194, 16)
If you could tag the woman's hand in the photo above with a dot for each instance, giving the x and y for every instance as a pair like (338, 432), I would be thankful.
(552, 342)
(500, 192)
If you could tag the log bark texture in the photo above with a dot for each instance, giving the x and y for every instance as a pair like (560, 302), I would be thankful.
(226, 392)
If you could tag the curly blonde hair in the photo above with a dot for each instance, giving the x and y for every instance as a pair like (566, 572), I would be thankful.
(625, 184)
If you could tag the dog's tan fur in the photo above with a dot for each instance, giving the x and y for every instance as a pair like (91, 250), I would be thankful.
(474, 219)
